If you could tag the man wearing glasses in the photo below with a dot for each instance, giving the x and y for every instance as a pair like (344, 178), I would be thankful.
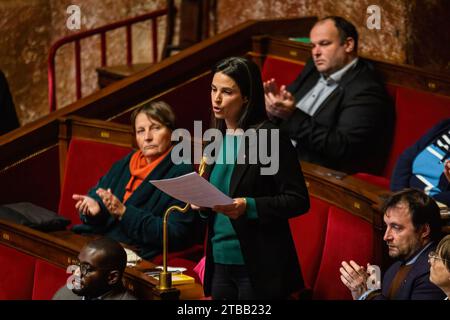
(98, 275)
(413, 228)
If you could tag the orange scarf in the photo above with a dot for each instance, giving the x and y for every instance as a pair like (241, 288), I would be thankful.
(140, 169)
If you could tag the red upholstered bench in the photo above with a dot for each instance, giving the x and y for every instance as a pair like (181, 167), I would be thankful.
(87, 161)
(324, 237)
(48, 278)
(379, 181)
(348, 237)
(24, 277)
(283, 70)
(16, 274)
(308, 232)
(416, 113)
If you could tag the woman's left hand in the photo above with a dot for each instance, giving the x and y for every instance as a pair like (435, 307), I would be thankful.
(115, 207)
(234, 210)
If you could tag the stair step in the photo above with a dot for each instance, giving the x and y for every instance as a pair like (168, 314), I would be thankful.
(108, 75)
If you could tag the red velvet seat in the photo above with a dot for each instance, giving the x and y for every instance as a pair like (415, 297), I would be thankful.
(348, 237)
(48, 278)
(282, 70)
(87, 161)
(16, 274)
(416, 112)
(308, 232)
(379, 181)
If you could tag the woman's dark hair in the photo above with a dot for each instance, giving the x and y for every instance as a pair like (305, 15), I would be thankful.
(247, 76)
(158, 110)
(422, 208)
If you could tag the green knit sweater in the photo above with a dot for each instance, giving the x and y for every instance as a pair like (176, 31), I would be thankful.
(225, 244)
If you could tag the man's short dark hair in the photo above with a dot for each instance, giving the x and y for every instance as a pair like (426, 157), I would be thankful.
(113, 255)
(345, 28)
(423, 209)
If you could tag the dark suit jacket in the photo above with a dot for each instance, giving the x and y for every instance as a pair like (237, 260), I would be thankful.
(266, 242)
(352, 129)
(417, 285)
(121, 294)
(8, 116)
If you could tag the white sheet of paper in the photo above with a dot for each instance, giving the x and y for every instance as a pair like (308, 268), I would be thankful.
(191, 188)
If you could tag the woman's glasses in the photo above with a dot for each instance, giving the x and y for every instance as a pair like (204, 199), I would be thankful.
(86, 268)
(433, 255)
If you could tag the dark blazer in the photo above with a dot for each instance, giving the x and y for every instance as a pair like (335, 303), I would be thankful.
(141, 224)
(8, 116)
(352, 129)
(119, 294)
(417, 285)
(266, 242)
(402, 177)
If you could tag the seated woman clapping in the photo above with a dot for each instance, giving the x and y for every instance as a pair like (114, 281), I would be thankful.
(125, 206)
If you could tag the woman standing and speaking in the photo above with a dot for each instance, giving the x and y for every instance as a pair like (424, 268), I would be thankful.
(250, 251)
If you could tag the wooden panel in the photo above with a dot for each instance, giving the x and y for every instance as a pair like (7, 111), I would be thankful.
(357, 193)
(62, 247)
(186, 102)
(34, 178)
(93, 130)
(353, 195)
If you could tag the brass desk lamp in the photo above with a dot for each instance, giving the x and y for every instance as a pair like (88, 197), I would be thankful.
(165, 277)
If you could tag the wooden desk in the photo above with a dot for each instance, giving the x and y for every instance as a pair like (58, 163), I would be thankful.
(61, 248)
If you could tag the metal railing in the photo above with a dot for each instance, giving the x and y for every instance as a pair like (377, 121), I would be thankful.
(77, 37)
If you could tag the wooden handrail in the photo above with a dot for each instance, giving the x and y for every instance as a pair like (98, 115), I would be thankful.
(77, 37)
(61, 248)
